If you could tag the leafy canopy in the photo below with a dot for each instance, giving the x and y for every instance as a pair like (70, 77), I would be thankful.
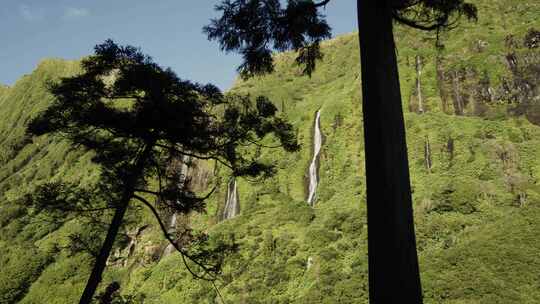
(138, 119)
(124, 101)
(254, 28)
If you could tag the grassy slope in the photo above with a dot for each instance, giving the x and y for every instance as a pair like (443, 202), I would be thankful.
(474, 241)
(30, 243)
(476, 245)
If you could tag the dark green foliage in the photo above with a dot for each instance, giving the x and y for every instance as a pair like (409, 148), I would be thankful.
(298, 26)
(124, 101)
(136, 117)
(10, 212)
(487, 256)
(22, 266)
(301, 27)
(459, 198)
(433, 14)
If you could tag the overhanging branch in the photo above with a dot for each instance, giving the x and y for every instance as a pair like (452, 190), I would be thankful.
(173, 243)
(416, 25)
(322, 3)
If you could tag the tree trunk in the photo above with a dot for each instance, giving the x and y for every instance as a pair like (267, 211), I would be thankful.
(393, 263)
(105, 251)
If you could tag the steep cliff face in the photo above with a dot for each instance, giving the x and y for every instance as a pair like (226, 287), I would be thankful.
(467, 90)
(474, 154)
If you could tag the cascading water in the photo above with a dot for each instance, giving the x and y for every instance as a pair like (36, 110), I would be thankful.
(172, 225)
(232, 207)
(309, 263)
(184, 170)
(317, 143)
(172, 229)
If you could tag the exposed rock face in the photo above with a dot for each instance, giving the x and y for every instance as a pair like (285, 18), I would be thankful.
(182, 234)
(152, 253)
(521, 90)
(195, 173)
(192, 174)
(532, 39)
(121, 256)
(471, 92)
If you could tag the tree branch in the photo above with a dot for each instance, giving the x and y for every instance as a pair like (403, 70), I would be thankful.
(322, 3)
(148, 191)
(207, 195)
(415, 25)
(172, 242)
(158, 194)
(186, 153)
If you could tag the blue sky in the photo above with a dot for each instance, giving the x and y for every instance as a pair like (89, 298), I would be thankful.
(168, 30)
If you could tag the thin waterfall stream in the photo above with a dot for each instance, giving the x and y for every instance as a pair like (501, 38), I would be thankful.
(182, 183)
(232, 206)
(172, 230)
(172, 225)
(313, 167)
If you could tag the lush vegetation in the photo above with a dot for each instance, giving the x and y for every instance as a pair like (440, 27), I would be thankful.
(477, 199)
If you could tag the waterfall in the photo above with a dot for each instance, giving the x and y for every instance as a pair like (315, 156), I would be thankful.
(184, 170)
(309, 263)
(172, 229)
(419, 84)
(317, 143)
(168, 250)
(172, 224)
(232, 207)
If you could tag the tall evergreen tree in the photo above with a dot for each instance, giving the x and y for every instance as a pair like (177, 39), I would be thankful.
(136, 116)
(255, 27)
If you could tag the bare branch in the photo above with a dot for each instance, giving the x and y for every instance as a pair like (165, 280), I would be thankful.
(416, 25)
(322, 3)
(173, 243)
(148, 191)
(185, 153)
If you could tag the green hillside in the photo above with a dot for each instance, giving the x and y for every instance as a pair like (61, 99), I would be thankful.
(473, 133)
